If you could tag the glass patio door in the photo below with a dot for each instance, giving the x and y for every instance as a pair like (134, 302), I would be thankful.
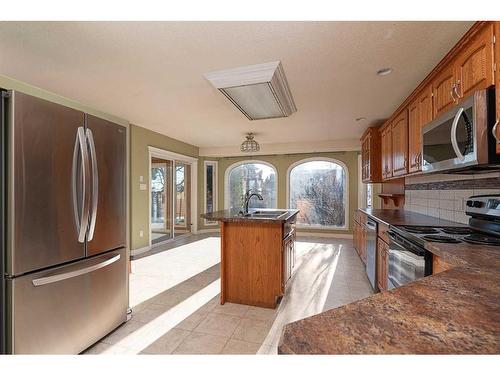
(161, 200)
(182, 198)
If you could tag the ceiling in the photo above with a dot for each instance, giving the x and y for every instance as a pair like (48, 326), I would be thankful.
(151, 73)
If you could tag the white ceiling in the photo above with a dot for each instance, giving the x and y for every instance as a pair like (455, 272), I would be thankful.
(151, 73)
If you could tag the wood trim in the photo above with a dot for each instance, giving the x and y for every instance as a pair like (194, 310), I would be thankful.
(222, 269)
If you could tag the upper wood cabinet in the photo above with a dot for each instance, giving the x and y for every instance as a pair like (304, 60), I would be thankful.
(442, 86)
(497, 85)
(419, 115)
(400, 144)
(370, 156)
(386, 151)
(474, 63)
(470, 70)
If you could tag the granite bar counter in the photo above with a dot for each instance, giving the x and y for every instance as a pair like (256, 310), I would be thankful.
(453, 312)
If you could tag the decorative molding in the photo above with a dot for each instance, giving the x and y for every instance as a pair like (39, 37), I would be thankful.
(285, 148)
(483, 183)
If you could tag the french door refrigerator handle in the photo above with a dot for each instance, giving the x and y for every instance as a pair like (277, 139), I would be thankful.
(454, 141)
(81, 218)
(71, 274)
(95, 185)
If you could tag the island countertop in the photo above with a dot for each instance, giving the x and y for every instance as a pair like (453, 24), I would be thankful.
(234, 215)
(453, 312)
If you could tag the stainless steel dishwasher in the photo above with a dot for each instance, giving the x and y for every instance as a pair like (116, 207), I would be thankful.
(371, 251)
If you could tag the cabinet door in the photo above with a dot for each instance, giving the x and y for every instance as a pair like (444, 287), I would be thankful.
(386, 152)
(414, 141)
(441, 90)
(400, 144)
(497, 84)
(474, 64)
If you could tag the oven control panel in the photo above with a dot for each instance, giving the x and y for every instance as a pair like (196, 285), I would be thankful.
(486, 205)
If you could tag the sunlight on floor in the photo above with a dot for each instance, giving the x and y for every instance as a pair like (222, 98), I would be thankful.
(156, 273)
(152, 331)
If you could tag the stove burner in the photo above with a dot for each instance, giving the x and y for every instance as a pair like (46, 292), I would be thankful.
(482, 239)
(444, 239)
(421, 230)
(457, 230)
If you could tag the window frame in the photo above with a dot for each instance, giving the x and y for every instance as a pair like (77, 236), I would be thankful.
(215, 165)
(346, 193)
(240, 163)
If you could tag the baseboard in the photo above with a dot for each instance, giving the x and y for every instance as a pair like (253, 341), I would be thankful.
(325, 235)
(214, 230)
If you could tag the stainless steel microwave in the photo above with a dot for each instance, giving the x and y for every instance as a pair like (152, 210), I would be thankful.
(462, 140)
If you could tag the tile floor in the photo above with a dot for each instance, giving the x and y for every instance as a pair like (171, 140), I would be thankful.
(174, 295)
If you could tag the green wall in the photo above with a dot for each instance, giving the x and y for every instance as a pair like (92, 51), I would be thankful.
(282, 163)
(140, 139)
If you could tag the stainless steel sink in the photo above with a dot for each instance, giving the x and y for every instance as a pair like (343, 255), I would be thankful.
(266, 214)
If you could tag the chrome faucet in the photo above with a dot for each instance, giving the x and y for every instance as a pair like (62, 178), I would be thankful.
(249, 195)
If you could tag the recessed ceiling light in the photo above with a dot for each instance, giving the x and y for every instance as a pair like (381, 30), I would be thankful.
(384, 71)
(361, 119)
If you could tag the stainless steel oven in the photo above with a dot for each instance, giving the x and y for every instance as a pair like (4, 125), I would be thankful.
(462, 139)
(408, 261)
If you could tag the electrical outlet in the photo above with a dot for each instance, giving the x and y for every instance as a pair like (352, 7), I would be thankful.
(141, 233)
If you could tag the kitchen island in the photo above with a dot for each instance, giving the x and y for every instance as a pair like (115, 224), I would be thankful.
(257, 254)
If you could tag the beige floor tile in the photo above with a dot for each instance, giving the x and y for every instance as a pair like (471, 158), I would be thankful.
(167, 343)
(201, 343)
(122, 332)
(218, 324)
(240, 347)
(102, 348)
(260, 313)
(151, 312)
(192, 321)
(233, 309)
(170, 298)
(251, 330)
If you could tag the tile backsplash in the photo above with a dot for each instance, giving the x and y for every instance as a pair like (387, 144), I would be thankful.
(444, 196)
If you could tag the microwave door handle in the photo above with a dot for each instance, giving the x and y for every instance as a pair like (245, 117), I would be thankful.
(494, 132)
(454, 126)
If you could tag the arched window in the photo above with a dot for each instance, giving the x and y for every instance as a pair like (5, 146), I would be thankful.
(258, 176)
(319, 189)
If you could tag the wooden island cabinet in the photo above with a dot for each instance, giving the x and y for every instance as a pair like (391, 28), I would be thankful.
(257, 255)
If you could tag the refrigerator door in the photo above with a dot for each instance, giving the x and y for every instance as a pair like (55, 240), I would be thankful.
(67, 309)
(107, 142)
(43, 209)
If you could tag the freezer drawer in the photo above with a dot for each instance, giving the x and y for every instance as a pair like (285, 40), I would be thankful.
(66, 309)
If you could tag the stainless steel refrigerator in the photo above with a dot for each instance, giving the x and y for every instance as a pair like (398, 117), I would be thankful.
(65, 278)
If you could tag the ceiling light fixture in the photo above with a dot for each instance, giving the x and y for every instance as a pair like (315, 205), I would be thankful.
(259, 91)
(250, 144)
(361, 119)
(384, 71)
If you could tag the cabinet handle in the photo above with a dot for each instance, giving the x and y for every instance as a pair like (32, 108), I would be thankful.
(451, 93)
(455, 88)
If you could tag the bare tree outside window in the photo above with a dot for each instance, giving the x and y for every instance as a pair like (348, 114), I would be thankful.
(317, 189)
(260, 178)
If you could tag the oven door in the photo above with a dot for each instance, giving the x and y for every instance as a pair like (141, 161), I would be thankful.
(450, 142)
(407, 261)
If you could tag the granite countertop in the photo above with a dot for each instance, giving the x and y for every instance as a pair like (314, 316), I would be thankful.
(455, 311)
(401, 217)
(234, 215)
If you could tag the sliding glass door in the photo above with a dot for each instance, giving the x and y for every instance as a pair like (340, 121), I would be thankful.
(170, 199)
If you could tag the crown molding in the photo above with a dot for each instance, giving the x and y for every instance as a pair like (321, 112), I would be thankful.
(284, 148)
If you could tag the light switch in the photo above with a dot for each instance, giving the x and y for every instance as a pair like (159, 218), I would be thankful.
(143, 186)
(141, 178)
(141, 233)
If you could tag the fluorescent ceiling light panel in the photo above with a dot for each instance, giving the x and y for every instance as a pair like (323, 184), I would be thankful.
(259, 91)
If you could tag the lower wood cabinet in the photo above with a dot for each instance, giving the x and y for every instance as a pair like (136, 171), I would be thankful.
(497, 86)
(382, 264)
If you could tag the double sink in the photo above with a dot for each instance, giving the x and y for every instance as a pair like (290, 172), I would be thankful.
(264, 214)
